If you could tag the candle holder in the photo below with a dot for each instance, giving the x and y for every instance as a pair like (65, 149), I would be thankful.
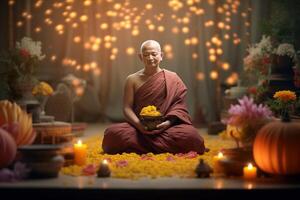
(103, 170)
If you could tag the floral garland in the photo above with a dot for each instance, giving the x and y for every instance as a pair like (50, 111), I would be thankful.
(134, 166)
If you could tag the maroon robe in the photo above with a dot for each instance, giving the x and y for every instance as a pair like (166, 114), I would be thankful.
(167, 92)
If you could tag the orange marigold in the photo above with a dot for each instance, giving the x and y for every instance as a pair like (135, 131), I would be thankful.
(285, 95)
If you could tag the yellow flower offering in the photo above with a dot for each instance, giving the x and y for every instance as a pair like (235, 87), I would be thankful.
(285, 95)
(150, 111)
(43, 89)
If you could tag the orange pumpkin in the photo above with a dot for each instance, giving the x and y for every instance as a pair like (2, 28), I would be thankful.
(276, 148)
(8, 148)
(17, 122)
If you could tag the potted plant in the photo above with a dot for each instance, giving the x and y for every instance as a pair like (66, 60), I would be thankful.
(285, 59)
(245, 119)
(18, 68)
(243, 122)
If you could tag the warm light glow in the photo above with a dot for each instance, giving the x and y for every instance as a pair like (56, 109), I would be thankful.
(225, 66)
(83, 18)
(212, 58)
(72, 18)
(250, 172)
(130, 50)
(149, 6)
(200, 76)
(167, 48)
(194, 55)
(105, 162)
(214, 75)
(220, 155)
(77, 39)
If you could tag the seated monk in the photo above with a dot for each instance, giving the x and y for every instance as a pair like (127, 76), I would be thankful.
(164, 89)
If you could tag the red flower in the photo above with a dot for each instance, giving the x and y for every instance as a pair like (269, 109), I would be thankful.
(266, 60)
(24, 53)
(252, 90)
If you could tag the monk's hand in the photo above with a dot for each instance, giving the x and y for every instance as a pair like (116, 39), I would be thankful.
(164, 125)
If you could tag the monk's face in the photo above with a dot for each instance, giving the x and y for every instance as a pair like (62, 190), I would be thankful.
(151, 55)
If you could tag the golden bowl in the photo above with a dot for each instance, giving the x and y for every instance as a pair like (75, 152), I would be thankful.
(150, 122)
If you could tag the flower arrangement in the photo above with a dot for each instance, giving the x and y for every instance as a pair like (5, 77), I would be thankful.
(43, 89)
(286, 49)
(282, 103)
(18, 65)
(25, 57)
(135, 166)
(150, 111)
(259, 56)
(244, 120)
(150, 117)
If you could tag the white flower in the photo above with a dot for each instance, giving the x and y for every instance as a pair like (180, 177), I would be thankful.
(34, 48)
(262, 48)
(286, 49)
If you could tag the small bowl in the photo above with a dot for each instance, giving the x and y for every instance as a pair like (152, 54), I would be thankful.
(44, 161)
(46, 169)
(150, 122)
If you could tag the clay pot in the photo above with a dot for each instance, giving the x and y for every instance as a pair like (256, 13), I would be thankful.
(282, 65)
(234, 160)
(44, 161)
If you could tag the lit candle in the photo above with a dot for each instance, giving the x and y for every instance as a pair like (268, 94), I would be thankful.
(216, 164)
(250, 171)
(103, 170)
(80, 153)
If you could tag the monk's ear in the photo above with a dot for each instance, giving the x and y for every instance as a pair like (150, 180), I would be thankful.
(161, 55)
(140, 56)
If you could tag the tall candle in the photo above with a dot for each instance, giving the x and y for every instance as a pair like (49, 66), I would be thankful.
(80, 153)
(250, 171)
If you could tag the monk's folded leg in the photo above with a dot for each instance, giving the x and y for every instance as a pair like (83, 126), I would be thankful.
(181, 138)
(122, 137)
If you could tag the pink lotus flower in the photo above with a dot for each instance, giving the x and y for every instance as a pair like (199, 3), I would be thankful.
(247, 118)
(247, 111)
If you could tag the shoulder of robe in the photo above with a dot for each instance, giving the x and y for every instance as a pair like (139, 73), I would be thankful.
(171, 73)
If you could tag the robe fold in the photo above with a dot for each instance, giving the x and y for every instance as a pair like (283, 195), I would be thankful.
(167, 92)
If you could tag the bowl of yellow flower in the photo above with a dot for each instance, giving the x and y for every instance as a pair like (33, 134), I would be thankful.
(150, 117)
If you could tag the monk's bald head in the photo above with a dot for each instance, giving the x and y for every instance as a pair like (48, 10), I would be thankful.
(150, 44)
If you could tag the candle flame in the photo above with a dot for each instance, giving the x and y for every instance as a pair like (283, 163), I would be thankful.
(105, 162)
(220, 155)
(79, 143)
(250, 166)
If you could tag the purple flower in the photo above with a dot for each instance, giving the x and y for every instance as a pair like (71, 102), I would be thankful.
(247, 112)
(7, 175)
(19, 172)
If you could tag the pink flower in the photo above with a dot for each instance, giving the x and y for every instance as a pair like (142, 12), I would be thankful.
(246, 112)
(170, 158)
(191, 154)
(89, 170)
(146, 157)
(122, 163)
